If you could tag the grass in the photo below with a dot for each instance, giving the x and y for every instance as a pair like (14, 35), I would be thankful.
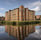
(28, 22)
(20, 22)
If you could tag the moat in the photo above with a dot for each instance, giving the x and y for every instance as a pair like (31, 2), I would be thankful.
(20, 32)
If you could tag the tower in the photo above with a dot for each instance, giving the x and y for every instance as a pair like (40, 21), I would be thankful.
(21, 13)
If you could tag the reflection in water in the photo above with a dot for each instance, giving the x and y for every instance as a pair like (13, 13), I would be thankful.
(4, 35)
(2, 29)
(36, 35)
(20, 32)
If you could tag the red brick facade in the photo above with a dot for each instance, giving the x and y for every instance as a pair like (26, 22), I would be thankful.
(20, 14)
(38, 17)
(2, 18)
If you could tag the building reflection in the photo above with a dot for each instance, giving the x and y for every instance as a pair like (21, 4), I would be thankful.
(20, 32)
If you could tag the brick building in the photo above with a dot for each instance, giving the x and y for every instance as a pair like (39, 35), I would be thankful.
(2, 18)
(38, 17)
(20, 14)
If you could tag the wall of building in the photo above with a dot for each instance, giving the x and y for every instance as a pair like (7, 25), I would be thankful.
(27, 14)
(2, 18)
(6, 16)
(13, 15)
(20, 14)
(37, 17)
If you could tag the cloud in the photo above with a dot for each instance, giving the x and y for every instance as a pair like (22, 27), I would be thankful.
(31, 5)
(2, 8)
(36, 6)
(2, 11)
(2, 14)
(11, 4)
(35, 36)
(36, 9)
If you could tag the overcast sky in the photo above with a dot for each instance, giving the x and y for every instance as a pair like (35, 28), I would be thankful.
(6, 5)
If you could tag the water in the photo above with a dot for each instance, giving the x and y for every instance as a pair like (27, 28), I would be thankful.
(24, 32)
(4, 35)
(36, 35)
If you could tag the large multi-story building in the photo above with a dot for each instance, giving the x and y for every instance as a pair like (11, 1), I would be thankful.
(20, 14)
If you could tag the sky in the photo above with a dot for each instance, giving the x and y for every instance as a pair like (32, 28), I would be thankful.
(6, 5)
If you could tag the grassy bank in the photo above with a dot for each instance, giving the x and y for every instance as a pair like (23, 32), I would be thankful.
(20, 22)
(8, 22)
(28, 22)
